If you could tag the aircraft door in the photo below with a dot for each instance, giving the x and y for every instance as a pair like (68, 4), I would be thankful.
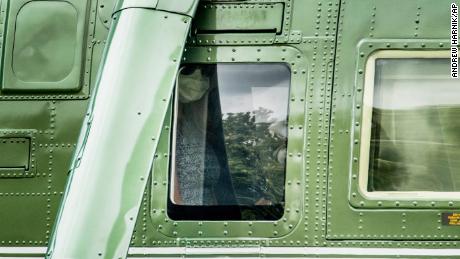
(394, 172)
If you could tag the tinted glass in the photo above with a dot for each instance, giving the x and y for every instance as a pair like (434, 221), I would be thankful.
(415, 138)
(230, 142)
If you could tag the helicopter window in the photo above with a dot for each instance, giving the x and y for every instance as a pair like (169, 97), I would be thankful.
(414, 126)
(230, 141)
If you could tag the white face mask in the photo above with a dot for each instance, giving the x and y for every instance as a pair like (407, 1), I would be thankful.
(193, 87)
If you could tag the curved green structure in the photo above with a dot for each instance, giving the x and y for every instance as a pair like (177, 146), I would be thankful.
(144, 72)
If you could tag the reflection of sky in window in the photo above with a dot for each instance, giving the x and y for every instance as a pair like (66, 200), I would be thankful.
(247, 87)
(414, 83)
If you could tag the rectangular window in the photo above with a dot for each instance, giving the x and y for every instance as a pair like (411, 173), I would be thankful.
(411, 126)
(44, 45)
(230, 141)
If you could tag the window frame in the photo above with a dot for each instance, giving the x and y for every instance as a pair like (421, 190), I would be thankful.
(174, 119)
(366, 131)
(295, 165)
(75, 85)
(212, 209)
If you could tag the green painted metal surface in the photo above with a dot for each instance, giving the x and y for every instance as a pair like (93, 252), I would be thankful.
(251, 17)
(361, 36)
(40, 35)
(47, 114)
(125, 135)
(325, 43)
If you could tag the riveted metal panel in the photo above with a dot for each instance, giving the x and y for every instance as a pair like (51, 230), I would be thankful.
(44, 52)
(350, 215)
(294, 178)
(14, 156)
(331, 216)
(51, 121)
(314, 63)
(152, 78)
(240, 17)
(35, 67)
(365, 49)
(105, 10)
(29, 218)
(252, 22)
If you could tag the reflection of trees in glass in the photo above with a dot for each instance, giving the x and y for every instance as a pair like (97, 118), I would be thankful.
(386, 167)
(254, 151)
(415, 149)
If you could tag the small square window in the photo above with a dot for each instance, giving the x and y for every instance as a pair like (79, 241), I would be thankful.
(44, 46)
(230, 142)
(410, 144)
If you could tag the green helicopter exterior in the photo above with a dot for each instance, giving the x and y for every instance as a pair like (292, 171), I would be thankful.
(92, 100)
